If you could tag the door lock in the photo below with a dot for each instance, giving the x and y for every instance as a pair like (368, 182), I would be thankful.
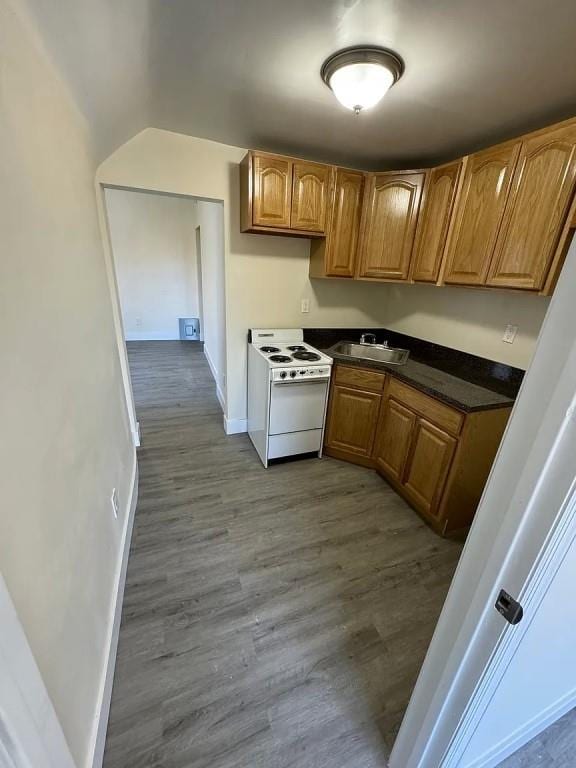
(509, 608)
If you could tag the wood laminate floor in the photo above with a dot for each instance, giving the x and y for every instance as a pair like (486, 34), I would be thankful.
(272, 618)
(553, 748)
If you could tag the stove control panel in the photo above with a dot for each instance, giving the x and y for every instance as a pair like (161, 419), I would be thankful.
(280, 375)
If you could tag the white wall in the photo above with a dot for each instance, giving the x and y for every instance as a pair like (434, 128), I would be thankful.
(268, 276)
(154, 251)
(114, 96)
(65, 434)
(469, 319)
(540, 684)
(210, 219)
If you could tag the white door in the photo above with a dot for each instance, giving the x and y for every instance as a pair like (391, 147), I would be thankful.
(523, 527)
(30, 734)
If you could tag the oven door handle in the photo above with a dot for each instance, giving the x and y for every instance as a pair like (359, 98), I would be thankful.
(300, 382)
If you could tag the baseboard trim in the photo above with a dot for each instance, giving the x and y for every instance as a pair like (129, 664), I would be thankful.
(521, 736)
(152, 336)
(220, 397)
(235, 426)
(214, 372)
(103, 710)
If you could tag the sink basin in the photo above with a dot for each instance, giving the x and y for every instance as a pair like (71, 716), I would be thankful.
(376, 352)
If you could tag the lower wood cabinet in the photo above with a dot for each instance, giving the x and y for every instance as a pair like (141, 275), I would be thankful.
(353, 411)
(352, 425)
(395, 439)
(437, 457)
(432, 451)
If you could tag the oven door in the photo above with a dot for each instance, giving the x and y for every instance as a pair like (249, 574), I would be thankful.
(297, 405)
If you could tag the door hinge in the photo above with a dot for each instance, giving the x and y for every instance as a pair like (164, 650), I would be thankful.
(509, 608)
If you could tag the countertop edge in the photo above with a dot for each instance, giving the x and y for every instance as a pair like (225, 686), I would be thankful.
(396, 372)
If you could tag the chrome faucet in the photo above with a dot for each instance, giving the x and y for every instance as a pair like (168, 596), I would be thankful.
(368, 338)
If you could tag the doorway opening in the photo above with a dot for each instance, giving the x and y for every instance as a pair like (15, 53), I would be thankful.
(167, 264)
(199, 280)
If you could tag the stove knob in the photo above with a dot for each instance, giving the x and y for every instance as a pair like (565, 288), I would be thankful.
(282, 374)
(292, 374)
(302, 373)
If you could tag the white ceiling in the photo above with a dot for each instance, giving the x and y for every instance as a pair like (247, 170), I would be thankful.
(246, 72)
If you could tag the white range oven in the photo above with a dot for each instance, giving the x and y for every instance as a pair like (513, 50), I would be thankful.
(288, 383)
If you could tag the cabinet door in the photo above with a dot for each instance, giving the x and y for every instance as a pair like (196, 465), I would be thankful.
(344, 229)
(427, 466)
(394, 437)
(272, 191)
(541, 192)
(436, 211)
(389, 226)
(485, 188)
(310, 195)
(352, 420)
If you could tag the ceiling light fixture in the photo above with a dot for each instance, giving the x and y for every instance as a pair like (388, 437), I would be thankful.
(361, 76)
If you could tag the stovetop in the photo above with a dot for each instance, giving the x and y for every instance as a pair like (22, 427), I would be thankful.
(288, 355)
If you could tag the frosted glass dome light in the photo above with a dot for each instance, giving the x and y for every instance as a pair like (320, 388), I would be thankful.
(360, 77)
(361, 86)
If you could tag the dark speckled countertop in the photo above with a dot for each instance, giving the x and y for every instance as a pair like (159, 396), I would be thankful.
(465, 381)
(444, 386)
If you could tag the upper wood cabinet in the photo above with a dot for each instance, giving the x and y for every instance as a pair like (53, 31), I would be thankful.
(500, 218)
(279, 195)
(480, 209)
(272, 179)
(540, 196)
(435, 215)
(336, 255)
(310, 191)
(390, 214)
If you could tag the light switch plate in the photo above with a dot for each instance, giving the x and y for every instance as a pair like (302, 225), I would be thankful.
(305, 305)
(510, 333)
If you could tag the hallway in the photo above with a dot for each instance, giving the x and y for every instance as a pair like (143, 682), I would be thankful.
(272, 618)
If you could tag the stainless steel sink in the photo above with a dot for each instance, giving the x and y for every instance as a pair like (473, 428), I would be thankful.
(377, 352)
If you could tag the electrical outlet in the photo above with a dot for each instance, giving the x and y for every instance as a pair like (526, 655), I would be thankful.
(138, 322)
(510, 333)
(114, 502)
(305, 305)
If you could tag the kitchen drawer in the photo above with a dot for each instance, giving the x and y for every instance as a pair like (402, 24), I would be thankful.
(436, 412)
(360, 378)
